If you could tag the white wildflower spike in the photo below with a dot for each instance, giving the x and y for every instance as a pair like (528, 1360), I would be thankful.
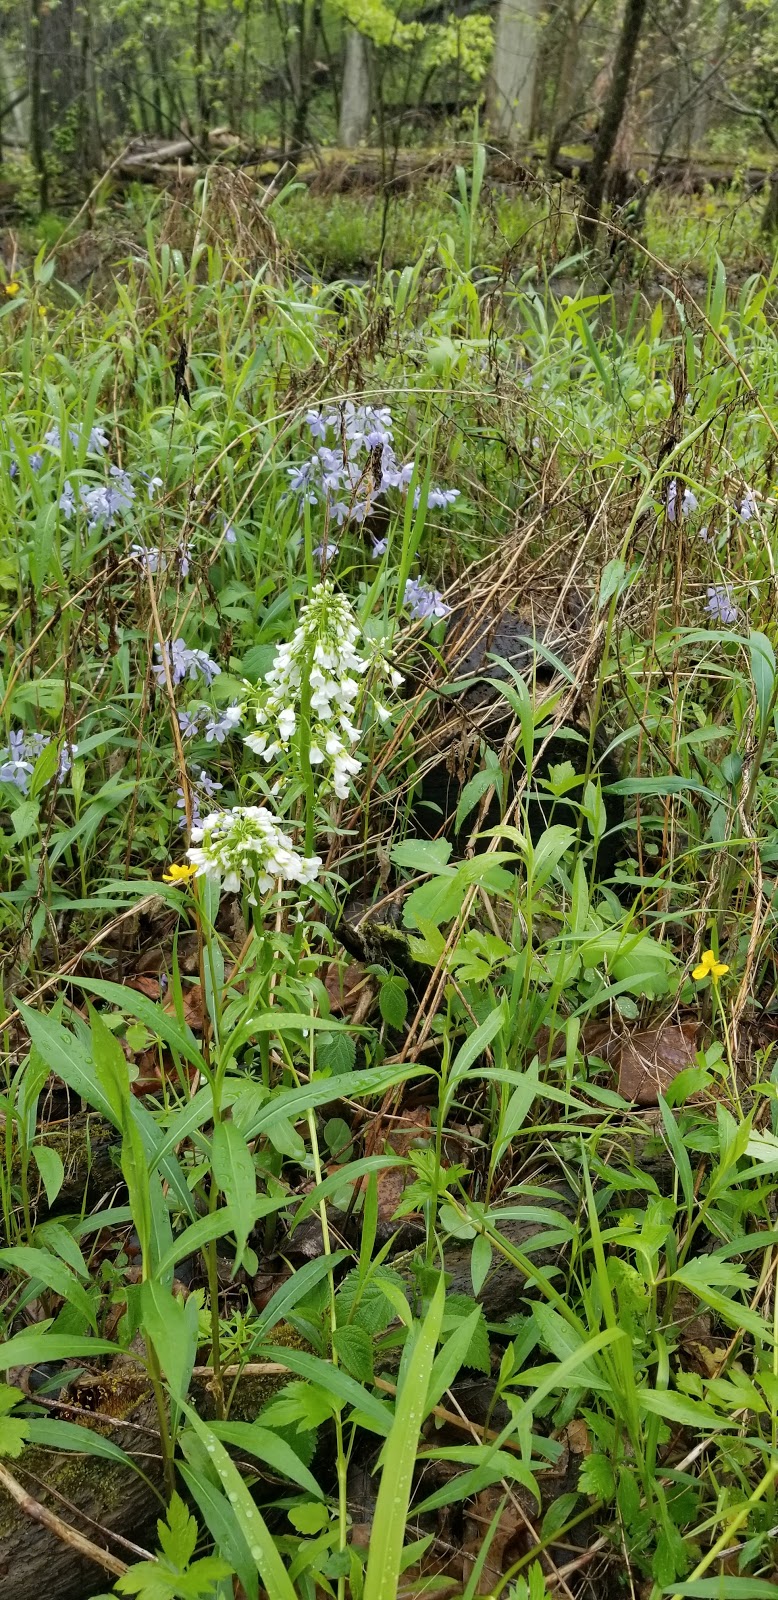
(323, 657)
(248, 845)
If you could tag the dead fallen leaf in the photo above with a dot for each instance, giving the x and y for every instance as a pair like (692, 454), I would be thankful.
(649, 1061)
(192, 997)
(512, 1536)
(399, 1135)
(352, 990)
(578, 1437)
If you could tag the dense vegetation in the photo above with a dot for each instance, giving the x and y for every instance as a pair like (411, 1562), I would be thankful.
(389, 802)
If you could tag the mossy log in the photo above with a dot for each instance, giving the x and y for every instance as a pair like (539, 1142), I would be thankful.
(88, 1493)
(97, 1496)
(88, 1146)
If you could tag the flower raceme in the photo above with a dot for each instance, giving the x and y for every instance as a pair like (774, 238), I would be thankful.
(354, 464)
(248, 846)
(321, 658)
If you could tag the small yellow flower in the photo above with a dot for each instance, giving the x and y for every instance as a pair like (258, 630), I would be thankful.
(709, 967)
(12, 288)
(43, 311)
(178, 872)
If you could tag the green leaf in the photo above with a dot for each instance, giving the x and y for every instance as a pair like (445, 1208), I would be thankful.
(336, 1181)
(253, 1527)
(47, 1269)
(178, 1535)
(28, 1348)
(762, 671)
(724, 1587)
(474, 791)
(24, 820)
(309, 1517)
(393, 1000)
(50, 1166)
(294, 1288)
(679, 1153)
(354, 1347)
(56, 1434)
(221, 1522)
(236, 1175)
(133, 1004)
(335, 1382)
(335, 1052)
(480, 1262)
(214, 1226)
(422, 855)
(435, 902)
(44, 769)
(173, 1333)
(14, 1433)
(674, 1407)
(452, 1357)
(596, 1477)
(345, 1086)
(136, 1176)
(273, 1451)
(399, 1459)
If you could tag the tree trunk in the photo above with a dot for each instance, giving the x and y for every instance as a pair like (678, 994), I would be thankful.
(565, 86)
(201, 75)
(37, 132)
(303, 78)
(769, 223)
(613, 111)
(355, 96)
(510, 89)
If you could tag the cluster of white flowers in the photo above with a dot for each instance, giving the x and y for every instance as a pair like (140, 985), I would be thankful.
(247, 845)
(323, 655)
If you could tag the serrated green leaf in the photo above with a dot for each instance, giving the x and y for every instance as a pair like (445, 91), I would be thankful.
(354, 1349)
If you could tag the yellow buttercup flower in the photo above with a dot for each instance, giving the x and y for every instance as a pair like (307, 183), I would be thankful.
(43, 311)
(178, 872)
(709, 967)
(12, 288)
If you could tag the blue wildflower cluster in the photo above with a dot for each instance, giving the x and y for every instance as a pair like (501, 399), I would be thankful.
(17, 760)
(354, 465)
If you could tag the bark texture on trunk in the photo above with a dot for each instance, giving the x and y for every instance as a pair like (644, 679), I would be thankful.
(511, 83)
(354, 123)
(613, 111)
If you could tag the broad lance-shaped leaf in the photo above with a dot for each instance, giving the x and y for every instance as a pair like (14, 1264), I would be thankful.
(49, 1270)
(67, 1059)
(399, 1459)
(235, 1173)
(172, 1327)
(260, 1542)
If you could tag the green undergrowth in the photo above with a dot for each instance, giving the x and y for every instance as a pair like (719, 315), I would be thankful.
(223, 656)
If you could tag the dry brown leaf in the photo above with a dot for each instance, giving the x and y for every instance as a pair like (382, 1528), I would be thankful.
(649, 1061)
(351, 989)
(578, 1437)
(399, 1135)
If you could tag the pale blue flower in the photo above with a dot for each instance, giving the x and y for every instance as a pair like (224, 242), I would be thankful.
(222, 724)
(423, 602)
(720, 605)
(437, 499)
(184, 663)
(380, 547)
